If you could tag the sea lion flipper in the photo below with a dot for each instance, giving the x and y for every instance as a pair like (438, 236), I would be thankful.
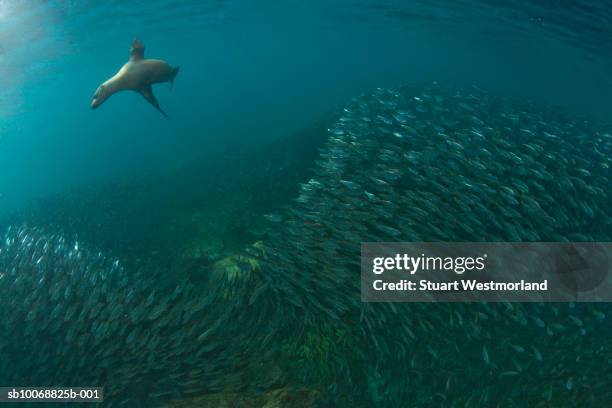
(137, 50)
(147, 92)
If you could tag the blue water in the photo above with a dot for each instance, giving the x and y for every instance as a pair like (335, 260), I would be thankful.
(215, 254)
(253, 71)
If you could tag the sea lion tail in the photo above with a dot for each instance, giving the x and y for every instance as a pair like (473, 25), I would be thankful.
(175, 71)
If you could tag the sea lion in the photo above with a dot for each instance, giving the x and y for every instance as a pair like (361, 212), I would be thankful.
(138, 74)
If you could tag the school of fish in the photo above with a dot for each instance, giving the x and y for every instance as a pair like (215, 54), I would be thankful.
(407, 164)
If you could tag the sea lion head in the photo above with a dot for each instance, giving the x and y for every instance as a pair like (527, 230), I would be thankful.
(101, 94)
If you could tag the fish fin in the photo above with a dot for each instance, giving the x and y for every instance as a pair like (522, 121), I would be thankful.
(175, 71)
(147, 92)
(137, 50)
